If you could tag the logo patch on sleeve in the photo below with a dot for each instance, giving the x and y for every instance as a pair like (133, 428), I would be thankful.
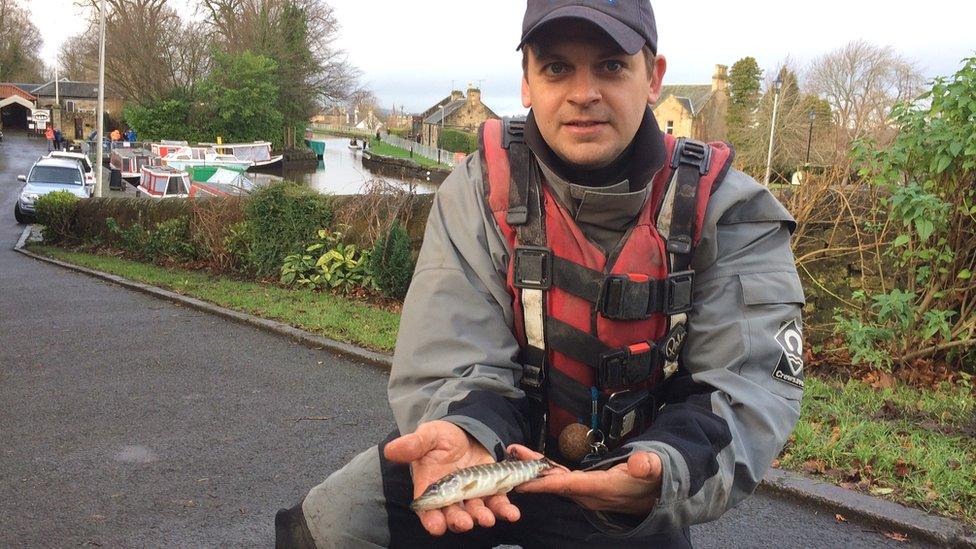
(790, 367)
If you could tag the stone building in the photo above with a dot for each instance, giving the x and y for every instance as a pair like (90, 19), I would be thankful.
(74, 106)
(696, 111)
(455, 112)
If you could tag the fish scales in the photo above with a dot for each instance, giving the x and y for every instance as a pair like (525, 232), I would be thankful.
(479, 481)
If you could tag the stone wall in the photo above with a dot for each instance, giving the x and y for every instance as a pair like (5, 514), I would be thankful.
(673, 111)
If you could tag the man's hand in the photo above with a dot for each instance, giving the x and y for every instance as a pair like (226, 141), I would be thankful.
(632, 488)
(435, 450)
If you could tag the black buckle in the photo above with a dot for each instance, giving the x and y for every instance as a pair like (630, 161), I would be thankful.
(626, 413)
(624, 299)
(622, 367)
(533, 268)
(513, 131)
(678, 292)
(533, 377)
(692, 153)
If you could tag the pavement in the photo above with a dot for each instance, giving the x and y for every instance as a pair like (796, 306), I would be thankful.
(130, 421)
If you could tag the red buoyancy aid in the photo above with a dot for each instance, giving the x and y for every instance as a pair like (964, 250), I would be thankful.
(607, 323)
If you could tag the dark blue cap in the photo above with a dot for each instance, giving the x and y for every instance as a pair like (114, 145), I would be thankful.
(630, 23)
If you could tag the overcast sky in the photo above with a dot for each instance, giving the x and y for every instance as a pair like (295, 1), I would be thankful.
(411, 52)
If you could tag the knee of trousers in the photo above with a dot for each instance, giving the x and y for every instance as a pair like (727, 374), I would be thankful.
(348, 509)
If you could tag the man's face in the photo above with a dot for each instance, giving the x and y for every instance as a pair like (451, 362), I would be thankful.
(587, 95)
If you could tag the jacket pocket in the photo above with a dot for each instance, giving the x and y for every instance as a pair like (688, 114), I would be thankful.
(770, 288)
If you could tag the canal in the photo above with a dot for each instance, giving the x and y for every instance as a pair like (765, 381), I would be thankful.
(340, 171)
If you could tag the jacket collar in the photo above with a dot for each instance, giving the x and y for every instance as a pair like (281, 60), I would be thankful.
(637, 164)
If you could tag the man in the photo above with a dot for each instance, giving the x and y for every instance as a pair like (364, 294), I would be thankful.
(582, 259)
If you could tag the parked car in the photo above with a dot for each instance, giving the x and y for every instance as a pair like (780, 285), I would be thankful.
(48, 175)
(85, 163)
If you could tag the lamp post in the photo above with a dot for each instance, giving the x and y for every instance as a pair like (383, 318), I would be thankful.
(772, 130)
(101, 99)
(813, 116)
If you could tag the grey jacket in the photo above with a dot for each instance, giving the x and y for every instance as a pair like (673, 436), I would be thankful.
(456, 354)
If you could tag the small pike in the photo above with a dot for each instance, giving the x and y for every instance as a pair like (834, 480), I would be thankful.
(480, 481)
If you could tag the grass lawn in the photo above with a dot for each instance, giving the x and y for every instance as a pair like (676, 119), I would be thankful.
(320, 313)
(385, 149)
(914, 446)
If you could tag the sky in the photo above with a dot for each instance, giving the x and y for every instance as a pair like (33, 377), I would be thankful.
(412, 53)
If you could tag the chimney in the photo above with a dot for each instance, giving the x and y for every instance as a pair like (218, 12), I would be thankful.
(720, 81)
(474, 95)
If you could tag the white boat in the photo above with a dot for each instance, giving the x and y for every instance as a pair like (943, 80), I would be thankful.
(186, 157)
(130, 161)
(258, 152)
(164, 148)
(163, 182)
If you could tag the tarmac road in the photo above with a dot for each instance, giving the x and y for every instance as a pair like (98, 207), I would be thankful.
(131, 422)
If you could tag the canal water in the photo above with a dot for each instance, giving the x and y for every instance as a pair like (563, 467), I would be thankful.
(341, 171)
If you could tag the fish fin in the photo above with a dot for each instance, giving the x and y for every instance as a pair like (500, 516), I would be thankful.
(470, 486)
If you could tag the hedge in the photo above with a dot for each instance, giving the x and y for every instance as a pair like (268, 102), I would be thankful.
(457, 141)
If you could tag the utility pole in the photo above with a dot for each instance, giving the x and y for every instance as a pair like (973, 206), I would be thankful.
(101, 99)
(813, 116)
(772, 130)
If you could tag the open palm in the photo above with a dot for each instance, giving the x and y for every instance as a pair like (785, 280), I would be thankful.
(437, 449)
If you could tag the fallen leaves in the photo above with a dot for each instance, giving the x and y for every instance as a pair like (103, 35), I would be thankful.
(896, 536)
(902, 469)
(879, 380)
(840, 518)
(814, 467)
(880, 491)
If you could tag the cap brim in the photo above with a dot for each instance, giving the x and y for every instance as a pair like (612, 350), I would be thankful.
(629, 40)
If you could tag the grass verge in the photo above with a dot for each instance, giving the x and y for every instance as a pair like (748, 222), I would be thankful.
(917, 447)
(385, 149)
(320, 313)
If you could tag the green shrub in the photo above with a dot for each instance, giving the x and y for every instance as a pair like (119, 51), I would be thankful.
(392, 264)
(56, 211)
(339, 267)
(167, 241)
(457, 141)
(92, 215)
(283, 218)
(238, 245)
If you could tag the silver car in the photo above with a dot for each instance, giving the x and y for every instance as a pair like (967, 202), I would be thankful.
(47, 176)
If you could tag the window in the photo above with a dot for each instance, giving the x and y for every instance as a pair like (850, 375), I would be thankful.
(69, 105)
(670, 127)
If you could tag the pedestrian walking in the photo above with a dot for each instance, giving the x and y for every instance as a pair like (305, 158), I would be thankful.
(49, 135)
(590, 290)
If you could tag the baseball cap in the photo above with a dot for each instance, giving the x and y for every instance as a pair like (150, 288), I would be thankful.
(630, 23)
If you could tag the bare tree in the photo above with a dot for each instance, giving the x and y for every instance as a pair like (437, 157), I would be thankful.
(793, 136)
(150, 52)
(20, 45)
(862, 82)
(300, 36)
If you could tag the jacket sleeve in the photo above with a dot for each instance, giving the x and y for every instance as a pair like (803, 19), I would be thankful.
(736, 398)
(456, 355)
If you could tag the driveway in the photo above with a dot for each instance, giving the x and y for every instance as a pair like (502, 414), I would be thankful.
(132, 422)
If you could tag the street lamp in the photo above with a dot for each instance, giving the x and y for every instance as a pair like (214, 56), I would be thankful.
(772, 130)
(813, 116)
(101, 98)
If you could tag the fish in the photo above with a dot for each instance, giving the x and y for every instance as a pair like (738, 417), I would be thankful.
(480, 481)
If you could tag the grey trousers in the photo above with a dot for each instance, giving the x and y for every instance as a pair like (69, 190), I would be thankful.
(366, 504)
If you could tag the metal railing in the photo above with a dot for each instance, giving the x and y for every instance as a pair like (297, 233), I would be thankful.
(440, 156)
(431, 153)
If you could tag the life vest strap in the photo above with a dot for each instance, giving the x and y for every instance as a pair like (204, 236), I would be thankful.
(623, 296)
(613, 368)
